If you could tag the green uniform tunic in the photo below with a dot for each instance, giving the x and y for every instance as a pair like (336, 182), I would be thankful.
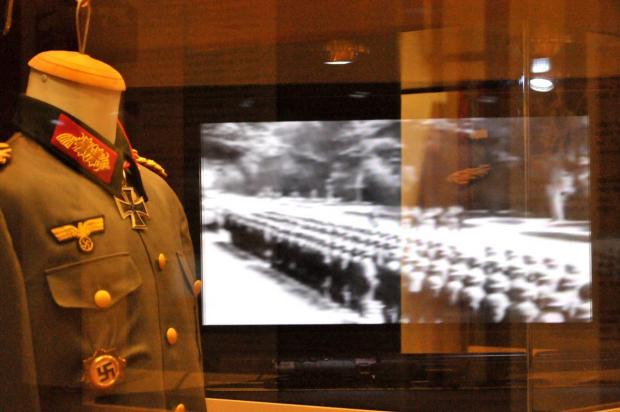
(148, 275)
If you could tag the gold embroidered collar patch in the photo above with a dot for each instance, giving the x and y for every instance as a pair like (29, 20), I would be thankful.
(81, 231)
(86, 149)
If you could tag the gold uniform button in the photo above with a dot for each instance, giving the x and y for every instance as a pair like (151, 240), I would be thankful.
(180, 408)
(197, 287)
(161, 261)
(172, 336)
(103, 298)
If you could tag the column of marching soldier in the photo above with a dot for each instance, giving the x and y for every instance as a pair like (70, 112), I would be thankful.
(361, 268)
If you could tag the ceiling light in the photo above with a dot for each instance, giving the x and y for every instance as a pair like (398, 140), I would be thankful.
(542, 65)
(540, 84)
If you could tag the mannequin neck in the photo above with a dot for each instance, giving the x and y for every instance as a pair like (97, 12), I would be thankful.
(96, 107)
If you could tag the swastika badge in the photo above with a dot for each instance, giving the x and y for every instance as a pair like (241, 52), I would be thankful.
(104, 369)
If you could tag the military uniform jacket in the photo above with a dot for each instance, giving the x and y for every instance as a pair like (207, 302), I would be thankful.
(110, 309)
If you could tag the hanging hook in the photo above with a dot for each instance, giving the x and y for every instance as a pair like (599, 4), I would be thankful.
(82, 41)
(9, 17)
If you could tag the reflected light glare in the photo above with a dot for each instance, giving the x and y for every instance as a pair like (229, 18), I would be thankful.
(343, 51)
(479, 134)
(541, 85)
(542, 65)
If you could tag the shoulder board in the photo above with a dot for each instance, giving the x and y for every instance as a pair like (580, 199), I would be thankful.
(5, 153)
(149, 164)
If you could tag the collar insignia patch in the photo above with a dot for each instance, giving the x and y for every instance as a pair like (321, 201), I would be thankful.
(134, 206)
(80, 231)
(84, 148)
(104, 369)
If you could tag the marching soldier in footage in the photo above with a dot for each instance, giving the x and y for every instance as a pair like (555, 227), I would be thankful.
(494, 305)
(361, 281)
(339, 263)
(449, 299)
(387, 290)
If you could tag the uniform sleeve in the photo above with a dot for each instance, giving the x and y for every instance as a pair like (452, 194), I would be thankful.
(18, 383)
(188, 248)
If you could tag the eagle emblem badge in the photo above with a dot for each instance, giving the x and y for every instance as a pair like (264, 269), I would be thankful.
(81, 232)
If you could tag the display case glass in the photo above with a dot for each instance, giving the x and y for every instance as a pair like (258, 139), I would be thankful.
(393, 205)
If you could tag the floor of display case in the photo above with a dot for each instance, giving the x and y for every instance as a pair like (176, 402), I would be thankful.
(226, 405)
(551, 398)
(556, 381)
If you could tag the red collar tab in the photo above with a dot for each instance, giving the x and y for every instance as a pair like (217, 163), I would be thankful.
(84, 148)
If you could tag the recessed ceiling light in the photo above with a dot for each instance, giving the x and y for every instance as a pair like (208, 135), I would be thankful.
(540, 84)
(542, 65)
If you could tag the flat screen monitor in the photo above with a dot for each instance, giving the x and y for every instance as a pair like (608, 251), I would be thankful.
(475, 220)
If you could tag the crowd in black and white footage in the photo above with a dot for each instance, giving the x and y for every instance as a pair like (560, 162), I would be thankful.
(444, 285)
(361, 269)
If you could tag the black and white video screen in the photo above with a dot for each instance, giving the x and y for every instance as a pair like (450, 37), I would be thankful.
(387, 221)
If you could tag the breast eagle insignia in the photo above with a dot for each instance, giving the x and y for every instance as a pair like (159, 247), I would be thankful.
(80, 231)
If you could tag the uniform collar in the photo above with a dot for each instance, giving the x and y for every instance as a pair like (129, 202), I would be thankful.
(78, 146)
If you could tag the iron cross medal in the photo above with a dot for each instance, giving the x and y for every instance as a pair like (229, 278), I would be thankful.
(134, 206)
